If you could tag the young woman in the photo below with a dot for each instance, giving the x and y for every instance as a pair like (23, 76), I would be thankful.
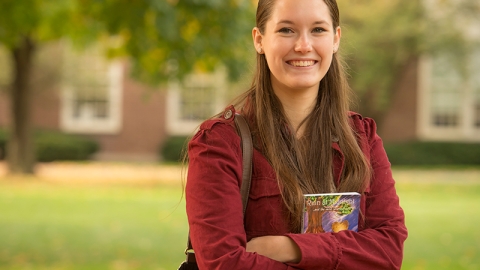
(306, 141)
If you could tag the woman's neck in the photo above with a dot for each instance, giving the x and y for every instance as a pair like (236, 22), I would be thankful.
(297, 104)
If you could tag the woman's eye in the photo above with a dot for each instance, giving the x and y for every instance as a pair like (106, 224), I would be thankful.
(318, 30)
(285, 30)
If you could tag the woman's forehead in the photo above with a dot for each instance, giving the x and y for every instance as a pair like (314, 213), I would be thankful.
(300, 11)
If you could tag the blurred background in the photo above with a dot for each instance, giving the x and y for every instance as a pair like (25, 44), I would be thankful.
(97, 98)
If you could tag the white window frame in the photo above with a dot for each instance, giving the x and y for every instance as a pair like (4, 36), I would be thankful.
(427, 130)
(87, 123)
(176, 126)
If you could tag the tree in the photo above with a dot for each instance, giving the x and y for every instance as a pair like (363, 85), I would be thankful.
(382, 38)
(162, 38)
(23, 25)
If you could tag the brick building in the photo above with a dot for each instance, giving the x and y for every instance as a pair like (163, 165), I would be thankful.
(83, 93)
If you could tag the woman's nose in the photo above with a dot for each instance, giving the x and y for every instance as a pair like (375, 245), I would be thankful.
(303, 44)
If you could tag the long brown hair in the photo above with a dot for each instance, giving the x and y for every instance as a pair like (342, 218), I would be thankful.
(305, 165)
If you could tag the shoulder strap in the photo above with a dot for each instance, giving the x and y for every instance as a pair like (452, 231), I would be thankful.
(247, 157)
(247, 150)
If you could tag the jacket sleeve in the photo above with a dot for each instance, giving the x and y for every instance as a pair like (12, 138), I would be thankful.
(214, 206)
(380, 244)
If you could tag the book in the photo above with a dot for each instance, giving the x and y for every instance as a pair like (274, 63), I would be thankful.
(330, 212)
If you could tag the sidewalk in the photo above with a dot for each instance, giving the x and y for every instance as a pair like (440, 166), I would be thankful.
(104, 172)
(111, 172)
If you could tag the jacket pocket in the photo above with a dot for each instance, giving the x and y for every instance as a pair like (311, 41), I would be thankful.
(264, 215)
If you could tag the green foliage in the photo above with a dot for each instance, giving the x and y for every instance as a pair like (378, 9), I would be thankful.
(433, 153)
(172, 38)
(54, 145)
(173, 148)
(163, 39)
(3, 143)
(51, 146)
(344, 209)
(40, 20)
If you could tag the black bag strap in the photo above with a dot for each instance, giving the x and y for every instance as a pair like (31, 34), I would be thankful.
(247, 150)
(247, 157)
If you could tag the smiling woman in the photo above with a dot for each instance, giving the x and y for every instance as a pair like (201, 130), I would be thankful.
(298, 42)
(306, 142)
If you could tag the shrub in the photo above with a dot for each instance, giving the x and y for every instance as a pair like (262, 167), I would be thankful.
(172, 148)
(433, 153)
(54, 145)
(3, 143)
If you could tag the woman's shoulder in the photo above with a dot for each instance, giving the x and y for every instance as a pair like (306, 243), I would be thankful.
(223, 120)
(216, 135)
(363, 125)
(218, 128)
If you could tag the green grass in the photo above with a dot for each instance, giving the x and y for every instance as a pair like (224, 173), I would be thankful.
(58, 226)
(51, 226)
(443, 225)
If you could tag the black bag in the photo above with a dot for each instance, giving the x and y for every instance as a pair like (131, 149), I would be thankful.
(247, 149)
(188, 266)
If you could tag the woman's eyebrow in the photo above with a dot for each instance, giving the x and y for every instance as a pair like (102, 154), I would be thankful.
(291, 22)
(285, 22)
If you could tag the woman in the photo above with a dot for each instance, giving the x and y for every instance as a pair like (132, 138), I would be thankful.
(306, 141)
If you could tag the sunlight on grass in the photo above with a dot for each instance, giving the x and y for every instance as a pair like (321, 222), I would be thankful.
(54, 225)
(443, 225)
(91, 227)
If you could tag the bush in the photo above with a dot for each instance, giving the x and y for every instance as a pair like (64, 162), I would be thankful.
(433, 153)
(54, 145)
(3, 143)
(172, 148)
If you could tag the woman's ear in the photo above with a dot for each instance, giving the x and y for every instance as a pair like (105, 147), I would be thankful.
(336, 39)
(257, 40)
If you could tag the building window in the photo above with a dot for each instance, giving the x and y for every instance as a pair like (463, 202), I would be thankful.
(477, 114)
(95, 105)
(198, 97)
(451, 98)
(92, 91)
(446, 92)
(196, 102)
(475, 78)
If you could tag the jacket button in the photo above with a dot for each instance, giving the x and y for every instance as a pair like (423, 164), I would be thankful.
(228, 114)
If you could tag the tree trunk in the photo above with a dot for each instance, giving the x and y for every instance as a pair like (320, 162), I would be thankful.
(369, 103)
(20, 153)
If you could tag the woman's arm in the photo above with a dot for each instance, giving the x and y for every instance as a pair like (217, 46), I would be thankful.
(278, 248)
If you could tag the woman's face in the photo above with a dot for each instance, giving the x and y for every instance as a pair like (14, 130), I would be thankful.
(298, 42)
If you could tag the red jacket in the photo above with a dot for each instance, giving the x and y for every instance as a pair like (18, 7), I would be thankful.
(214, 208)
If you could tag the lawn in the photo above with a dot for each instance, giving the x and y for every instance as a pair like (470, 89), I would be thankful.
(56, 225)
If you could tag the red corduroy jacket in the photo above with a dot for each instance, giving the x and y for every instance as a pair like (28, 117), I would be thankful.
(214, 208)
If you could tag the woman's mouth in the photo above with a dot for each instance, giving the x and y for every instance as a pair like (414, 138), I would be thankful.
(302, 63)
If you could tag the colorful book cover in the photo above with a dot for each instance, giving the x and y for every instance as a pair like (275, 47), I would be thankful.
(330, 212)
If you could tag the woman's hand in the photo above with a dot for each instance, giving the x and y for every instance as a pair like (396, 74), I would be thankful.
(278, 248)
